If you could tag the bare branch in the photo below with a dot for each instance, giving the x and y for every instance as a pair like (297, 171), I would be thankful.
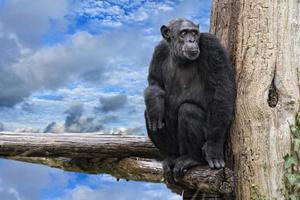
(127, 157)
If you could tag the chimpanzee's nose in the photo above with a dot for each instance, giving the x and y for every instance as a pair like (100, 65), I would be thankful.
(191, 40)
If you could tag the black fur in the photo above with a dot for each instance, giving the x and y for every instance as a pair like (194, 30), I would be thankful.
(190, 98)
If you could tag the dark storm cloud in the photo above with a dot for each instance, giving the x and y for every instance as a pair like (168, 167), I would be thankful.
(76, 122)
(50, 128)
(13, 88)
(111, 103)
(73, 115)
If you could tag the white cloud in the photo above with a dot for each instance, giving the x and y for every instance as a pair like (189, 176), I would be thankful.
(82, 56)
(112, 62)
(26, 130)
(140, 15)
(117, 58)
(29, 19)
(117, 13)
(25, 181)
(116, 192)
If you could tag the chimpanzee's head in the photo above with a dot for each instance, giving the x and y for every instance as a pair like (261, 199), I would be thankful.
(183, 38)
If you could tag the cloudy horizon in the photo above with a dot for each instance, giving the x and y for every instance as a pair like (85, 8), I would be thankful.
(56, 53)
(79, 66)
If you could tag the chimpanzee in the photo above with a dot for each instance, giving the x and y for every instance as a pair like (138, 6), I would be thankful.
(190, 98)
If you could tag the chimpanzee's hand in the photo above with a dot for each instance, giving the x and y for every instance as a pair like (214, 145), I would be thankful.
(155, 122)
(214, 155)
(155, 107)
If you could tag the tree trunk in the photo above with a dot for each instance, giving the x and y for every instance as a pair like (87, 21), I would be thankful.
(263, 38)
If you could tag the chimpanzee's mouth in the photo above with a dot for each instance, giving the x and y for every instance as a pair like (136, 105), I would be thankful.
(191, 54)
(192, 51)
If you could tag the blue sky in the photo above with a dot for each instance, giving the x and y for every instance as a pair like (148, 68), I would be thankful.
(79, 66)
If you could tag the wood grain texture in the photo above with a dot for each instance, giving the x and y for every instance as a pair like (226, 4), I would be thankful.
(263, 38)
(85, 145)
(127, 157)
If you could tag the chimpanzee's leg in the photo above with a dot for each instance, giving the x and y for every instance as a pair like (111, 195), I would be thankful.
(163, 140)
(167, 143)
(191, 137)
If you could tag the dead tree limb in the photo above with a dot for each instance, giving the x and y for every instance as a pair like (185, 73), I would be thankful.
(86, 145)
(128, 157)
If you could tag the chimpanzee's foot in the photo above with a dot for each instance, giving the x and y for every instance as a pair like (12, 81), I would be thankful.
(168, 166)
(213, 155)
(182, 165)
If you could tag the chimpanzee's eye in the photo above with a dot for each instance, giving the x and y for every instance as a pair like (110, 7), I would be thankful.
(183, 33)
(194, 33)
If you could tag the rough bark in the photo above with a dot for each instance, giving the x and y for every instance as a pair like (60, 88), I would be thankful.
(128, 157)
(87, 145)
(263, 38)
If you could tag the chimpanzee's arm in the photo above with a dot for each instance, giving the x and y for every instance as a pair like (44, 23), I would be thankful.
(221, 108)
(154, 94)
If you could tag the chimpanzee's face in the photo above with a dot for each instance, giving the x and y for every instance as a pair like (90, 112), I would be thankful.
(184, 39)
(188, 37)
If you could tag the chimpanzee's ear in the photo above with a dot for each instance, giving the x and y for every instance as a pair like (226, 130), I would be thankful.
(165, 32)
